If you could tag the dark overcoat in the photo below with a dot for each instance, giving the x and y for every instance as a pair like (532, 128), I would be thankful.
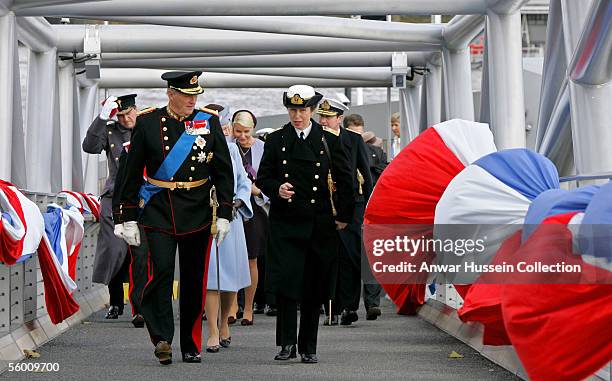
(107, 136)
(302, 253)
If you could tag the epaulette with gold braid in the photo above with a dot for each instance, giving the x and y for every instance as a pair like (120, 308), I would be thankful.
(331, 131)
(146, 110)
(210, 111)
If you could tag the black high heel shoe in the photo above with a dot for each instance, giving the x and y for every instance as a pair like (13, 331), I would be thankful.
(225, 343)
(213, 348)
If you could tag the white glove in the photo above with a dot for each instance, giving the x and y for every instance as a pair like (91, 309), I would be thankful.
(119, 231)
(131, 234)
(109, 108)
(223, 227)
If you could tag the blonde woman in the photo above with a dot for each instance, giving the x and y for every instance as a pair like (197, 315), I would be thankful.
(232, 272)
(256, 229)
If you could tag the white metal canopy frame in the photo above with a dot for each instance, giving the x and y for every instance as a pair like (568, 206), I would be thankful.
(276, 43)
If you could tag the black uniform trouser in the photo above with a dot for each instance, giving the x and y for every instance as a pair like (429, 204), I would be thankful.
(371, 295)
(286, 324)
(138, 273)
(115, 285)
(194, 250)
(134, 268)
(348, 286)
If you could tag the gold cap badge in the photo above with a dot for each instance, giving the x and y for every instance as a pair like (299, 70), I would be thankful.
(325, 105)
(193, 80)
(297, 100)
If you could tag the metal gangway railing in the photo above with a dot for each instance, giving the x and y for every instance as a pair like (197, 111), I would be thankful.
(24, 322)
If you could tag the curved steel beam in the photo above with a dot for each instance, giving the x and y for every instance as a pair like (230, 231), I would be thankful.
(344, 59)
(302, 25)
(461, 30)
(162, 39)
(262, 8)
(376, 74)
(148, 78)
(36, 33)
(592, 60)
(506, 6)
(23, 4)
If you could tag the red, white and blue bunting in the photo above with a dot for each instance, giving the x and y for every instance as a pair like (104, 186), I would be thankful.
(412, 184)
(559, 331)
(55, 235)
(86, 203)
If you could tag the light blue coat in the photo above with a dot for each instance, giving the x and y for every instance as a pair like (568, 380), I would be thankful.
(233, 255)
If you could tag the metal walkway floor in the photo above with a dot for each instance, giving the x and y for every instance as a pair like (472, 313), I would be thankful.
(391, 348)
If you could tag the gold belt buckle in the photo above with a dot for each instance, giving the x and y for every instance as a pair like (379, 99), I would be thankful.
(180, 185)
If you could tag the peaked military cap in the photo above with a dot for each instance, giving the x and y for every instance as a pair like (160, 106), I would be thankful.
(301, 96)
(331, 107)
(125, 103)
(184, 81)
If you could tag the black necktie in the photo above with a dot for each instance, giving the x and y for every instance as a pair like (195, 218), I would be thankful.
(302, 135)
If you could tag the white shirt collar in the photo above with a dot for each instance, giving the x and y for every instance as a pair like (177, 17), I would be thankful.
(306, 130)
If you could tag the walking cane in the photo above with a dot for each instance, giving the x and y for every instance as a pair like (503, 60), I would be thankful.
(213, 230)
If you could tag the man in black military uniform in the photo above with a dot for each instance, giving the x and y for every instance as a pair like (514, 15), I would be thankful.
(185, 154)
(302, 256)
(112, 261)
(348, 288)
(378, 157)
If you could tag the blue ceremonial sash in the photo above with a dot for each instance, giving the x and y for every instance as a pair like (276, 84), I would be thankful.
(168, 168)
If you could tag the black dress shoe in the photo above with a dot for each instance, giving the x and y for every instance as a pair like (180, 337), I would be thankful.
(163, 352)
(259, 309)
(348, 317)
(309, 359)
(239, 313)
(113, 312)
(287, 352)
(192, 357)
(373, 313)
(334, 320)
(271, 311)
(138, 321)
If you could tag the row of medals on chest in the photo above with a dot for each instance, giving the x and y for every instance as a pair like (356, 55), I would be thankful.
(199, 142)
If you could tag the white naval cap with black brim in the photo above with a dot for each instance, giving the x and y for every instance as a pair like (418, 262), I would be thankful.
(332, 107)
(301, 96)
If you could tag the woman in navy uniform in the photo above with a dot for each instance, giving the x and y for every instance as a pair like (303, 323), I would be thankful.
(302, 253)
(185, 153)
